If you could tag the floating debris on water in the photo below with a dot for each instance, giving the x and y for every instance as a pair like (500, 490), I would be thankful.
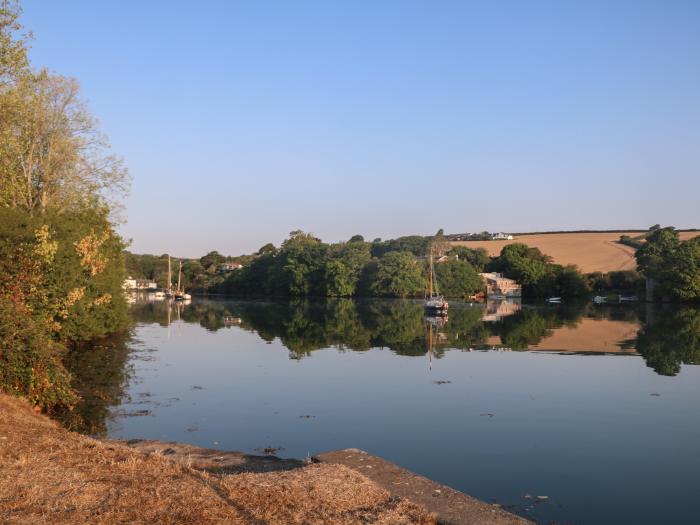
(196, 387)
(488, 414)
(442, 382)
(269, 451)
(307, 416)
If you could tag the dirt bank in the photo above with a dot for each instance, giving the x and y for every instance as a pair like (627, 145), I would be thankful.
(50, 475)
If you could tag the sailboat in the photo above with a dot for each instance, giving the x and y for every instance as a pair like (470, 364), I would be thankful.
(435, 303)
(169, 290)
(180, 294)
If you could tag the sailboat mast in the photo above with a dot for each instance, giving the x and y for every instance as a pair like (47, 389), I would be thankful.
(179, 275)
(430, 273)
(170, 277)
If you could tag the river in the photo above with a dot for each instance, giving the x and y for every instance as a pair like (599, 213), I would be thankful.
(595, 407)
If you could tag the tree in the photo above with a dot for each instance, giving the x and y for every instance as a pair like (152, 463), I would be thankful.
(398, 275)
(672, 265)
(13, 48)
(52, 154)
(477, 257)
(344, 265)
(457, 278)
(357, 238)
(268, 248)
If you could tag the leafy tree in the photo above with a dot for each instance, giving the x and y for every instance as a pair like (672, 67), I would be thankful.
(269, 248)
(357, 238)
(458, 278)
(477, 257)
(671, 264)
(398, 275)
(569, 282)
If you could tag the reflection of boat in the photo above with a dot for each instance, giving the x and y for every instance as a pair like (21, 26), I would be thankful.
(599, 299)
(554, 300)
(434, 302)
(628, 298)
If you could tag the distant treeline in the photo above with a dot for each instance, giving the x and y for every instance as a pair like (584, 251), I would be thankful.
(305, 266)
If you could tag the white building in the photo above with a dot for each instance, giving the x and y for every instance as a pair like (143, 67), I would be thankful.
(501, 237)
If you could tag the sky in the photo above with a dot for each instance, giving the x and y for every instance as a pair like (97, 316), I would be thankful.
(242, 121)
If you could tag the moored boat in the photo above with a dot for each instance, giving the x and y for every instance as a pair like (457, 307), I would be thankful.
(435, 304)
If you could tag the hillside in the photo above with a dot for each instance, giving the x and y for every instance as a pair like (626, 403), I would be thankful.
(591, 252)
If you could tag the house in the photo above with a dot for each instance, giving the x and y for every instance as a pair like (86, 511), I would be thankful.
(229, 267)
(501, 237)
(499, 286)
(139, 284)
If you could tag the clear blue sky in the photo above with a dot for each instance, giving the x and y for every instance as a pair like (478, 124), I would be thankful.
(241, 121)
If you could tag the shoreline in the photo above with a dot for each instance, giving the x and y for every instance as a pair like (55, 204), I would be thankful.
(51, 475)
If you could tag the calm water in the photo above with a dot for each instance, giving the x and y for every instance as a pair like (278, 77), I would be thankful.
(595, 407)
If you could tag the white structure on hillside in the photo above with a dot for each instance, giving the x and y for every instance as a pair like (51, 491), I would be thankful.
(501, 237)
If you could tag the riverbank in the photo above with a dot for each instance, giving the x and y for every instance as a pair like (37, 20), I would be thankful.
(51, 475)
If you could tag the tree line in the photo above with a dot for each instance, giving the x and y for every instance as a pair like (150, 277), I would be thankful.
(61, 261)
(305, 266)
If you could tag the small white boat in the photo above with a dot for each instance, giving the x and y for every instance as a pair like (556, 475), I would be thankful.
(599, 299)
(554, 300)
(435, 304)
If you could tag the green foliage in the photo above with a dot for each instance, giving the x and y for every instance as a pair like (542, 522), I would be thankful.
(305, 266)
(415, 244)
(673, 265)
(477, 257)
(537, 274)
(61, 262)
(618, 281)
(398, 275)
(30, 360)
(457, 278)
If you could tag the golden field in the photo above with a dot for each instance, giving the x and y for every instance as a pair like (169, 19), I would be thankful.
(591, 252)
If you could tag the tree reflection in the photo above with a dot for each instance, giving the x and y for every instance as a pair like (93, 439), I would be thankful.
(666, 340)
(100, 373)
(670, 338)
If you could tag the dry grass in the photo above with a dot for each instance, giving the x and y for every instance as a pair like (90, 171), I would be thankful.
(591, 252)
(50, 475)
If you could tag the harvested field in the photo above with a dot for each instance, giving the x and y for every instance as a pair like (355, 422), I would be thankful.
(591, 252)
(50, 475)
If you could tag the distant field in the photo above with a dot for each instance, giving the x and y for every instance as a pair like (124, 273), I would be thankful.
(591, 252)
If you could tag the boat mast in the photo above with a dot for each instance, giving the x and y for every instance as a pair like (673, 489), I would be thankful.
(170, 277)
(430, 273)
(179, 274)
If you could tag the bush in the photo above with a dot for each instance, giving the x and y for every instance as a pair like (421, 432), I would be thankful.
(30, 361)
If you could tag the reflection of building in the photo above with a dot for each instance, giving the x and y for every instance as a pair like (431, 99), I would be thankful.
(499, 286)
(497, 310)
(139, 284)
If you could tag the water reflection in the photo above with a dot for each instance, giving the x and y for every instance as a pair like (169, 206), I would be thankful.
(100, 371)
(666, 337)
